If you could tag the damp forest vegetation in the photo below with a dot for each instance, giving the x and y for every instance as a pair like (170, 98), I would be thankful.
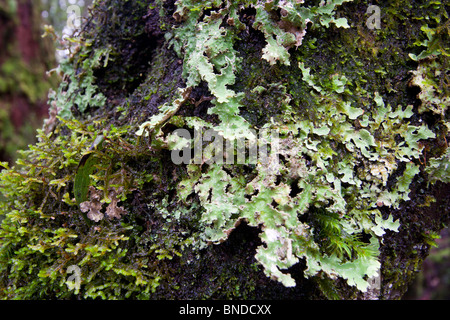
(349, 210)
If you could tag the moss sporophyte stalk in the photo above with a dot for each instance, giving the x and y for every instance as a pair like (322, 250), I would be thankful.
(125, 190)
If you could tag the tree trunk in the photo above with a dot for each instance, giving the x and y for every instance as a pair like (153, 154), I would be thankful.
(24, 59)
(345, 206)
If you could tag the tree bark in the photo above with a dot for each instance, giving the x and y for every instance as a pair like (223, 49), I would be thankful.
(24, 60)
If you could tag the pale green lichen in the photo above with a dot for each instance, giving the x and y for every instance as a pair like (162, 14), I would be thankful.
(267, 201)
(432, 93)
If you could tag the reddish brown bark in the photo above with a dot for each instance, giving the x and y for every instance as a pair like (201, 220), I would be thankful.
(25, 31)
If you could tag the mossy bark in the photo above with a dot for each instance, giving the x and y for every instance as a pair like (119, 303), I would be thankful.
(143, 72)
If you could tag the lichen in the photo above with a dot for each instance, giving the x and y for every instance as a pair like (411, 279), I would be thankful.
(78, 89)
